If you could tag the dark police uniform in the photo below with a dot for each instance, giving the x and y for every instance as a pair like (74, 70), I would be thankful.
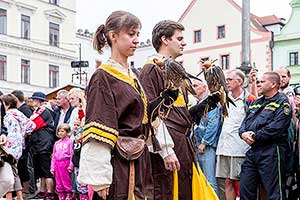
(269, 119)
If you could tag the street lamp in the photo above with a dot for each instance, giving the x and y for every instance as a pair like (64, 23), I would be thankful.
(246, 66)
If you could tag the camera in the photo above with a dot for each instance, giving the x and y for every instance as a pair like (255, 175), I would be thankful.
(297, 90)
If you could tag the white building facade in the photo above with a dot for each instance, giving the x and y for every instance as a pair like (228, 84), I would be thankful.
(213, 31)
(141, 55)
(37, 44)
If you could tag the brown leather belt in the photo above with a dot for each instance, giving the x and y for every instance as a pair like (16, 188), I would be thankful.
(185, 130)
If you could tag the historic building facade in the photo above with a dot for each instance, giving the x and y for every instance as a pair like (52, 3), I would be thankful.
(287, 44)
(37, 44)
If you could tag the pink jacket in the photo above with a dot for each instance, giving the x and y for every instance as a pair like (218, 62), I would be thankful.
(62, 150)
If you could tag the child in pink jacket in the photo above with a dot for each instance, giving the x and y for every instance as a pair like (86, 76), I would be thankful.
(61, 164)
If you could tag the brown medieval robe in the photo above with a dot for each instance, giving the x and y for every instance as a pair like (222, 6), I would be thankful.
(116, 106)
(179, 124)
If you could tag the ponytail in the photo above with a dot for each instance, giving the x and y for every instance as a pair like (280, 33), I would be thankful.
(99, 40)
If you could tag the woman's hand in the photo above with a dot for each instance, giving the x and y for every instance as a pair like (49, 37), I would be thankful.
(103, 193)
(70, 170)
(2, 139)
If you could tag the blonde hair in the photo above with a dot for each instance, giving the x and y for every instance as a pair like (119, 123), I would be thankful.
(79, 93)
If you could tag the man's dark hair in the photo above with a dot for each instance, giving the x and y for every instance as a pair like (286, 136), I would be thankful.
(19, 94)
(164, 28)
(274, 77)
(1, 93)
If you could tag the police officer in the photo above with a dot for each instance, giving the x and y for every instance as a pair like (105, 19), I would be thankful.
(265, 128)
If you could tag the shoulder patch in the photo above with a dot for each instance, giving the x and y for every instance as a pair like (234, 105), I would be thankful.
(286, 108)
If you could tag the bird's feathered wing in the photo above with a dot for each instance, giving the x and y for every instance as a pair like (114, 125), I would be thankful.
(175, 75)
(216, 82)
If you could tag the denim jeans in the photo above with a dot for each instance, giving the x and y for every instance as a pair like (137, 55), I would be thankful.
(207, 161)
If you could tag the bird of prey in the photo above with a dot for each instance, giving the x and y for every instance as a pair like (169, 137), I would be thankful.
(216, 83)
(175, 75)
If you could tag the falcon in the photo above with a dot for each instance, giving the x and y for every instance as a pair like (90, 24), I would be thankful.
(175, 75)
(216, 82)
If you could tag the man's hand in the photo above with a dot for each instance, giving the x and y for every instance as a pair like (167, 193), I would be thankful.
(253, 75)
(103, 193)
(2, 139)
(201, 148)
(170, 95)
(248, 137)
(171, 162)
(297, 100)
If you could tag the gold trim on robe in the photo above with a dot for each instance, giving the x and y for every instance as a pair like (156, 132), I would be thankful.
(101, 133)
(131, 81)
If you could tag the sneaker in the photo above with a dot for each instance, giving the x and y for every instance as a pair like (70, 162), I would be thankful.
(26, 195)
(40, 195)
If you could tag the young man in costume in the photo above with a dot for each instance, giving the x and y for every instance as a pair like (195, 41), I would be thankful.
(176, 159)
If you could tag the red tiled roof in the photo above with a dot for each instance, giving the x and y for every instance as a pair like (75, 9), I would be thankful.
(269, 20)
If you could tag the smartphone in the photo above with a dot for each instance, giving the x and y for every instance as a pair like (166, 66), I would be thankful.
(297, 90)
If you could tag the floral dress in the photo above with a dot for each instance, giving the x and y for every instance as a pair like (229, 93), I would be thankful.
(17, 125)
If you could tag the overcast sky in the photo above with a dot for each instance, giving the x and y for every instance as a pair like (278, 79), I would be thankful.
(92, 13)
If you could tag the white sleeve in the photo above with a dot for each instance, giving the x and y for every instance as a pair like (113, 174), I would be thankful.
(165, 140)
(95, 166)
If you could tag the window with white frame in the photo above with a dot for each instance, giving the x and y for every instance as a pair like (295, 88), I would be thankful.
(25, 71)
(3, 67)
(53, 34)
(3, 21)
(225, 62)
(197, 36)
(294, 58)
(25, 27)
(221, 32)
(53, 76)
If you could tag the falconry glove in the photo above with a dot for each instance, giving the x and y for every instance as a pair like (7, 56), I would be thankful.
(162, 103)
(210, 103)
